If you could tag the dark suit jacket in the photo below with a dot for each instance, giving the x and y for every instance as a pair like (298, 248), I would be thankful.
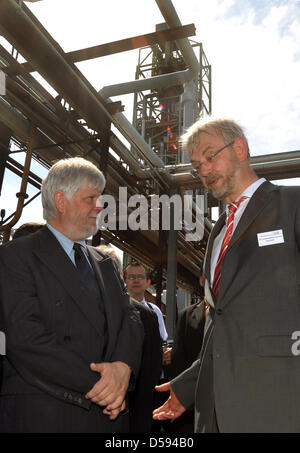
(188, 338)
(248, 371)
(141, 398)
(52, 327)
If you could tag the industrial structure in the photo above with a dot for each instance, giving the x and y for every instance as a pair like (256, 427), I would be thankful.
(172, 87)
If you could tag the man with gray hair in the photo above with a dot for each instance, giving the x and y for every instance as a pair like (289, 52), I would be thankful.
(73, 342)
(247, 376)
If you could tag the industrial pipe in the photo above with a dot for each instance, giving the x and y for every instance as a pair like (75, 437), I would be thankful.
(165, 80)
(22, 194)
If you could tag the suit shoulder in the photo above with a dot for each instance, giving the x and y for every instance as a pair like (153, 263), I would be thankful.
(98, 252)
(139, 306)
(289, 196)
(191, 308)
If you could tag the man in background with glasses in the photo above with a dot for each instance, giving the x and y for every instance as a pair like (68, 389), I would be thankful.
(247, 376)
(137, 280)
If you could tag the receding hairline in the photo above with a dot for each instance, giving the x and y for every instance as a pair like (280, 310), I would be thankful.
(136, 264)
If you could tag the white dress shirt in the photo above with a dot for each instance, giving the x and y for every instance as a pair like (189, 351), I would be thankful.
(161, 322)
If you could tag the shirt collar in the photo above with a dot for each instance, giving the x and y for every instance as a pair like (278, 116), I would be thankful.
(249, 191)
(65, 242)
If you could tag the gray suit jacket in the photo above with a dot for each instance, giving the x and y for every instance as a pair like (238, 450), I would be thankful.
(247, 371)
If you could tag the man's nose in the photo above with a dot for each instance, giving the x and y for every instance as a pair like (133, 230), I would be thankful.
(98, 205)
(98, 209)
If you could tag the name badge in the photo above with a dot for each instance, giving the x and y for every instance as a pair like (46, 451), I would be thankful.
(270, 238)
(2, 343)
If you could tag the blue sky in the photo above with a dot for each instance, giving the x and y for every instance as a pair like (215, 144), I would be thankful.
(252, 45)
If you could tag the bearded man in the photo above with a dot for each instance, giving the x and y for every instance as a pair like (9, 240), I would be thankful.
(247, 376)
(73, 342)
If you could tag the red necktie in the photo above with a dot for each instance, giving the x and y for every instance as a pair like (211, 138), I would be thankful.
(229, 229)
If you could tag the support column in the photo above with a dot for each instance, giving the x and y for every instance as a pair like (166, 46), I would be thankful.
(104, 147)
(161, 261)
(171, 302)
(5, 134)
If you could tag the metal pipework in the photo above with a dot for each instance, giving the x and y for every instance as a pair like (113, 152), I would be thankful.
(17, 27)
(168, 11)
(165, 80)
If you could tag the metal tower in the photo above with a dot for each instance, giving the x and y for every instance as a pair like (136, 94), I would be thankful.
(162, 115)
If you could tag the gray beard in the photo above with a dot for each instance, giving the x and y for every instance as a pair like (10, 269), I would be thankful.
(228, 185)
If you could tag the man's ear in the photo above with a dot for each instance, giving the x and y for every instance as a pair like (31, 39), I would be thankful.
(148, 283)
(60, 201)
(241, 149)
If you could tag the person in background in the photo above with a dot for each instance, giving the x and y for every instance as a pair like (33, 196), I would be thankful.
(140, 400)
(186, 349)
(109, 250)
(137, 279)
(27, 228)
(73, 341)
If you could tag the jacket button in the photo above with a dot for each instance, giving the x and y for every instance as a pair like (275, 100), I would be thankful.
(219, 311)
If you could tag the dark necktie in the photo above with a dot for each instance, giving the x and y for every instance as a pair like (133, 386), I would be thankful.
(229, 229)
(89, 280)
(85, 270)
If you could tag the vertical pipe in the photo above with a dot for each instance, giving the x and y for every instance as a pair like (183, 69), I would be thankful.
(3, 158)
(160, 260)
(22, 194)
(104, 154)
(171, 302)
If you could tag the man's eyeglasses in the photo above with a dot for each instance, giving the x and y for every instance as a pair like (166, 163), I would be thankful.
(209, 158)
(136, 277)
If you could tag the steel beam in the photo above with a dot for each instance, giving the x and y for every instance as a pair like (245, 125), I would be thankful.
(124, 45)
(18, 28)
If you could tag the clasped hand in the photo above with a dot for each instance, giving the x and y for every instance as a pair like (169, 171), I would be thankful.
(110, 390)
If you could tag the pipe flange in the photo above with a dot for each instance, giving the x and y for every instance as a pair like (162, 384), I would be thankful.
(22, 195)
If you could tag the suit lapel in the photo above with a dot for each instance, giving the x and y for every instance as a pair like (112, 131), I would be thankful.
(54, 257)
(257, 204)
(112, 293)
(95, 260)
(214, 233)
